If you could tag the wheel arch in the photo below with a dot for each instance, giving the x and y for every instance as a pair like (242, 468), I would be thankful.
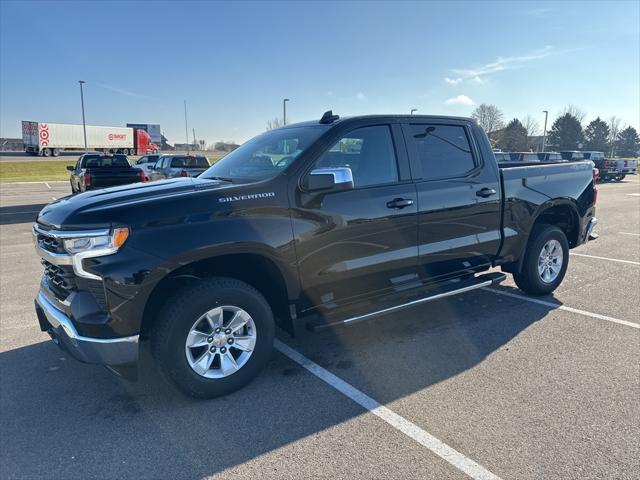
(258, 270)
(563, 213)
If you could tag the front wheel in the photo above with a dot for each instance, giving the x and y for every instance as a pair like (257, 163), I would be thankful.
(545, 261)
(213, 337)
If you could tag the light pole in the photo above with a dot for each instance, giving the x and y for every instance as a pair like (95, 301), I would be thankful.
(84, 125)
(186, 128)
(544, 131)
(413, 110)
(284, 111)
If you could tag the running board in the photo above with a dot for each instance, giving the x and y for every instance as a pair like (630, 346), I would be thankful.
(478, 282)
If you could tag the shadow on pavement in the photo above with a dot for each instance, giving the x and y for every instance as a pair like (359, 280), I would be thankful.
(20, 213)
(63, 419)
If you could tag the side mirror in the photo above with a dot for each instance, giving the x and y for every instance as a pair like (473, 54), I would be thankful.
(71, 168)
(332, 178)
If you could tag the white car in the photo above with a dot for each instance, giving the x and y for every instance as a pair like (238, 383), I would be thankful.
(146, 161)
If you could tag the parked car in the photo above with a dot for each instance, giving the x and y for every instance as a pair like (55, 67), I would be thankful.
(550, 157)
(147, 161)
(529, 157)
(172, 166)
(365, 216)
(624, 167)
(94, 170)
(572, 155)
(502, 157)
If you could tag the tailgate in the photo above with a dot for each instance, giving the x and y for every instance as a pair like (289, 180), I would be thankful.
(194, 172)
(111, 177)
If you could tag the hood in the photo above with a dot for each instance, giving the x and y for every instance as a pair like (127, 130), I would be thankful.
(94, 208)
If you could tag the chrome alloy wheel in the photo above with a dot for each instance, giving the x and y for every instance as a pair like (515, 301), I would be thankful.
(550, 261)
(220, 342)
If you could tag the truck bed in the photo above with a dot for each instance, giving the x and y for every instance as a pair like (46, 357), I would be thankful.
(531, 188)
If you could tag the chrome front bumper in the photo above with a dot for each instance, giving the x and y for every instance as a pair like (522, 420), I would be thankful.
(104, 351)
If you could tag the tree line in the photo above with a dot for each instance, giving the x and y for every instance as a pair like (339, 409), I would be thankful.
(566, 132)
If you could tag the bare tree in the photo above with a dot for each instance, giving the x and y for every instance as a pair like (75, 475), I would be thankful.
(531, 125)
(573, 111)
(489, 117)
(614, 130)
(275, 123)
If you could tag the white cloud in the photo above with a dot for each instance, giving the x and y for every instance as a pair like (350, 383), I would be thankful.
(360, 96)
(122, 91)
(460, 100)
(538, 12)
(477, 74)
(453, 81)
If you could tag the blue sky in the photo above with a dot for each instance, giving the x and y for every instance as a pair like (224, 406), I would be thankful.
(234, 62)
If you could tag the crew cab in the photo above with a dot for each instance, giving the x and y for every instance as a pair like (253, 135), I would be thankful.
(94, 170)
(318, 224)
(171, 166)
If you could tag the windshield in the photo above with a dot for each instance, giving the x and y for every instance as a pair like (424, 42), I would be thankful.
(264, 156)
(99, 161)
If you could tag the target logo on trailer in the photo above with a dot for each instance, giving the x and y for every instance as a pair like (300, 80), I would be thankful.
(117, 136)
(44, 134)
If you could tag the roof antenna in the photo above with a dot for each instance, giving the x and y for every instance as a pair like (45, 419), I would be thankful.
(329, 117)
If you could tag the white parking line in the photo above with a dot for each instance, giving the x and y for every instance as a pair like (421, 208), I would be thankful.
(410, 429)
(629, 233)
(48, 186)
(565, 308)
(605, 258)
(634, 194)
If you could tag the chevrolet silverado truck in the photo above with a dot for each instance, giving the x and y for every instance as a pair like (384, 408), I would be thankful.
(95, 171)
(317, 224)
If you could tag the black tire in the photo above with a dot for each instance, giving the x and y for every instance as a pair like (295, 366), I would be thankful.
(55, 152)
(178, 315)
(528, 279)
(46, 152)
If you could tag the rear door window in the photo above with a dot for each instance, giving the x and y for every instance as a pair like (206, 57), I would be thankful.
(444, 151)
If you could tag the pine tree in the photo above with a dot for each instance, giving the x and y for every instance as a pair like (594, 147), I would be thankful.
(514, 137)
(566, 133)
(628, 143)
(596, 135)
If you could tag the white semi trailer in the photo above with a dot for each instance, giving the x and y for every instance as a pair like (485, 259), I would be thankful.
(49, 139)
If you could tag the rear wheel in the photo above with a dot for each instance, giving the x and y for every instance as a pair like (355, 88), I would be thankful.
(46, 152)
(56, 152)
(620, 177)
(213, 337)
(545, 262)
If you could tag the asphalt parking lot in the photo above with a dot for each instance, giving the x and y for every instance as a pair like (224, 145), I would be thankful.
(482, 385)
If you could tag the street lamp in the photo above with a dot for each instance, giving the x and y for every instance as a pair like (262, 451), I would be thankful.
(413, 110)
(84, 125)
(284, 111)
(544, 131)
(186, 127)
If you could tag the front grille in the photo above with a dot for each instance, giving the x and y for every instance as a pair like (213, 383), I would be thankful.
(50, 244)
(60, 279)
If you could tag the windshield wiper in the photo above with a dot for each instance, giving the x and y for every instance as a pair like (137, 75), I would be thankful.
(224, 179)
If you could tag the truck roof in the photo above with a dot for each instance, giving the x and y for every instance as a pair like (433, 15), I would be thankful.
(378, 117)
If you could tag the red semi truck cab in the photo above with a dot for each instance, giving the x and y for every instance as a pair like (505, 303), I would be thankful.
(143, 144)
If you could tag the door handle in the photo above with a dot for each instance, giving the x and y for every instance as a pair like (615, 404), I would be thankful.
(485, 192)
(399, 203)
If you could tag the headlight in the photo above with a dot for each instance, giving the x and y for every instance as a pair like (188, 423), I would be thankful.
(107, 243)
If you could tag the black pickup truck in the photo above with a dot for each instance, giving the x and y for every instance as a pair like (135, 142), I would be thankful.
(315, 224)
(95, 170)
